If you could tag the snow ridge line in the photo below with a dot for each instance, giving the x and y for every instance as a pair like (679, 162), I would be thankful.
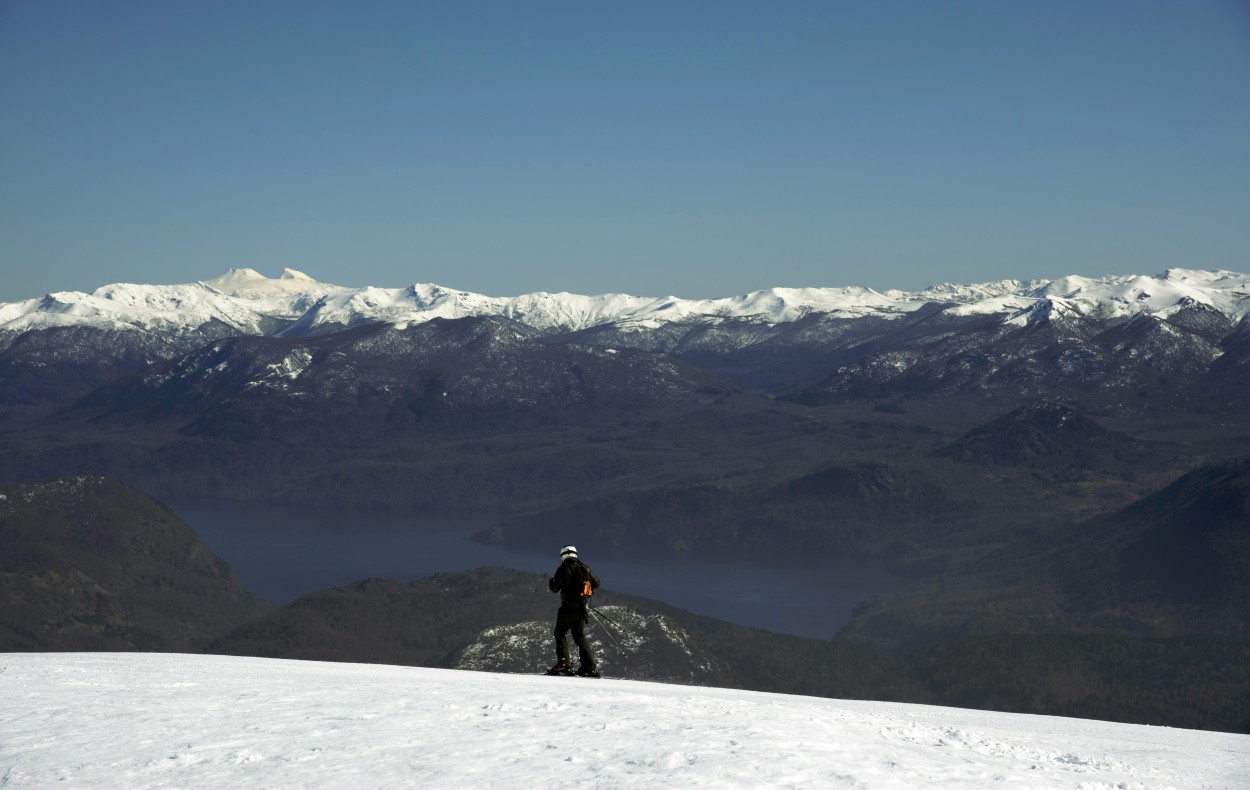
(249, 303)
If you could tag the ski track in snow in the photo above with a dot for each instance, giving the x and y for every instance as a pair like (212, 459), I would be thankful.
(127, 720)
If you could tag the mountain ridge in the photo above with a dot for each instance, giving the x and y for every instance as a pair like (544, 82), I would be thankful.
(1173, 563)
(1105, 338)
(254, 304)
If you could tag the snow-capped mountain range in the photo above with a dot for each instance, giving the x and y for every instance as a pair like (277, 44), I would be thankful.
(1179, 335)
(243, 301)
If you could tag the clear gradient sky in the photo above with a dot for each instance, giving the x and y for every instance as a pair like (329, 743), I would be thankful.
(699, 149)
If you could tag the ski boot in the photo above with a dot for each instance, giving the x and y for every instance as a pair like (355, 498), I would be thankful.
(561, 667)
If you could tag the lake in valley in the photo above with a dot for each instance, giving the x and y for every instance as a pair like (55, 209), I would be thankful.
(283, 552)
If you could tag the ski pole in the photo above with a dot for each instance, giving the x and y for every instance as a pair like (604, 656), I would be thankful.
(604, 616)
(607, 631)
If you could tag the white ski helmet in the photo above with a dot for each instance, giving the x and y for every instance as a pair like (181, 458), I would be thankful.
(567, 552)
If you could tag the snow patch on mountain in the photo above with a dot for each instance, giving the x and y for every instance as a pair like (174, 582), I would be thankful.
(292, 365)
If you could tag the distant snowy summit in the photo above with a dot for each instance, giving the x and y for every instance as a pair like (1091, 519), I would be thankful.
(243, 301)
(251, 284)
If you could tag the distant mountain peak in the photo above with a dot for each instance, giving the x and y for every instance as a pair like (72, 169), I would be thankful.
(1200, 276)
(246, 283)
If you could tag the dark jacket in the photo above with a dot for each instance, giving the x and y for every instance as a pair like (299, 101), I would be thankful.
(568, 581)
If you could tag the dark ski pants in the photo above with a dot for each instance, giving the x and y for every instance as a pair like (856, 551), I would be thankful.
(573, 618)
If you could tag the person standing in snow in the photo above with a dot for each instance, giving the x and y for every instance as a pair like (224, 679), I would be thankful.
(570, 580)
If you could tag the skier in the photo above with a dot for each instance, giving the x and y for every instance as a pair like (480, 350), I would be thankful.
(569, 581)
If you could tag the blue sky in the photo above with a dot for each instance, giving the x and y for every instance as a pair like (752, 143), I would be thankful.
(699, 149)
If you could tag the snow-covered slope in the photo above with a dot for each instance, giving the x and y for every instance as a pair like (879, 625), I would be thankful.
(294, 303)
(241, 300)
(1161, 296)
(146, 720)
(168, 308)
(565, 312)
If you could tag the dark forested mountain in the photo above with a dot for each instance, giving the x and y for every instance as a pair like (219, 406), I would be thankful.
(463, 376)
(1185, 548)
(1048, 436)
(89, 564)
(1228, 379)
(1141, 363)
(1176, 562)
(756, 355)
(61, 364)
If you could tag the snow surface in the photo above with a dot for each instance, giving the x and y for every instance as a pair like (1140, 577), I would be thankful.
(126, 720)
(248, 301)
